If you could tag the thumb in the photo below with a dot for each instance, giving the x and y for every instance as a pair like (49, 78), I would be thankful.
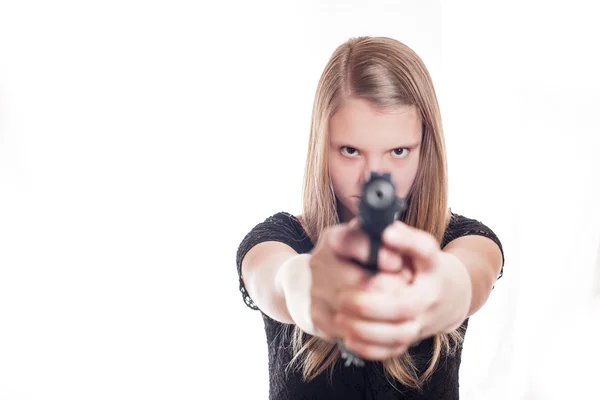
(354, 223)
(417, 244)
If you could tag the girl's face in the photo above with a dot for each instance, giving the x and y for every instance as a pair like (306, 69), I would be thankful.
(363, 138)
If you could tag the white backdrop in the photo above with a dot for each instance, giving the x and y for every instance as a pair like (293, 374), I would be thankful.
(140, 141)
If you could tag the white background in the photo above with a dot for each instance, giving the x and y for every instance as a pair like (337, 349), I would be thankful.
(140, 141)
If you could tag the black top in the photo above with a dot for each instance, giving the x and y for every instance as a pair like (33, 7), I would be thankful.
(368, 382)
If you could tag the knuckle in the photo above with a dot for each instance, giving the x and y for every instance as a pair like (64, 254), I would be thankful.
(368, 353)
(396, 340)
(352, 274)
(362, 349)
(359, 307)
(407, 336)
(334, 238)
(339, 300)
(399, 350)
(356, 331)
(344, 303)
(381, 352)
(404, 340)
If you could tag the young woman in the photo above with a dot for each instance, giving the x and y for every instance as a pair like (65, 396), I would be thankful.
(375, 110)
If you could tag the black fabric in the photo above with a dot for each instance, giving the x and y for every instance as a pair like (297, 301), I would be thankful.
(368, 382)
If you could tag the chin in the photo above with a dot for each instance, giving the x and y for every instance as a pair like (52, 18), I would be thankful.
(349, 207)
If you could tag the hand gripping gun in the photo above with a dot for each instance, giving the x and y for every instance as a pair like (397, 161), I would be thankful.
(378, 208)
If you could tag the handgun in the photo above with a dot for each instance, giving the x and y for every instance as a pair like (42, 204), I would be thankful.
(378, 208)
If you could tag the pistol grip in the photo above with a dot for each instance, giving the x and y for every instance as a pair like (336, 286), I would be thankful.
(371, 264)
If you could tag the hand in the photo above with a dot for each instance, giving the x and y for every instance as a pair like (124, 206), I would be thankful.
(386, 315)
(334, 269)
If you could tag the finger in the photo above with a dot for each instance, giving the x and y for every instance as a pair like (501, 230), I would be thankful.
(322, 317)
(331, 276)
(373, 352)
(352, 244)
(388, 260)
(407, 274)
(413, 242)
(355, 245)
(393, 283)
(379, 333)
(354, 223)
(386, 306)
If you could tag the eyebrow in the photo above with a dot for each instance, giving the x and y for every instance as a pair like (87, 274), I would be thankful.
(409, 146)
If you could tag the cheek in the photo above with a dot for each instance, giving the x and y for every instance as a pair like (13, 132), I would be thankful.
(344, 177)
(337, 177)
(405, 180)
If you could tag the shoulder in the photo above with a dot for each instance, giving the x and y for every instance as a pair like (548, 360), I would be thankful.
(279, 227)
(283, 222)
(460, 225)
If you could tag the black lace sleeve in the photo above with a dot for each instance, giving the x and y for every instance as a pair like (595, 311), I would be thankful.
(462, 226)
(281, 227)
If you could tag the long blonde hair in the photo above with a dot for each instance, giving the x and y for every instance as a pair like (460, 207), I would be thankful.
(387, 73)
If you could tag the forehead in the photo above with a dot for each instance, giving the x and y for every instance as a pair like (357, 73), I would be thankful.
(359, 122)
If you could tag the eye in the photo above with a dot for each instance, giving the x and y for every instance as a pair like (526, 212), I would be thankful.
(349, 151)
(400, 153)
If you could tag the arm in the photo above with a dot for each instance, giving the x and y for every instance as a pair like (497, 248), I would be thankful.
(278, 279)
(482, 259)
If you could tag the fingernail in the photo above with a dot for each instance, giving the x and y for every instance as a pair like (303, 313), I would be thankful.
(391, 233)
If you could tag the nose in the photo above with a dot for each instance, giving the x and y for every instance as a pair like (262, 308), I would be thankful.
(372, 165)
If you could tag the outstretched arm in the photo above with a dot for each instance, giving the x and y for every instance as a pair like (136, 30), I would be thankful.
(483, 260)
